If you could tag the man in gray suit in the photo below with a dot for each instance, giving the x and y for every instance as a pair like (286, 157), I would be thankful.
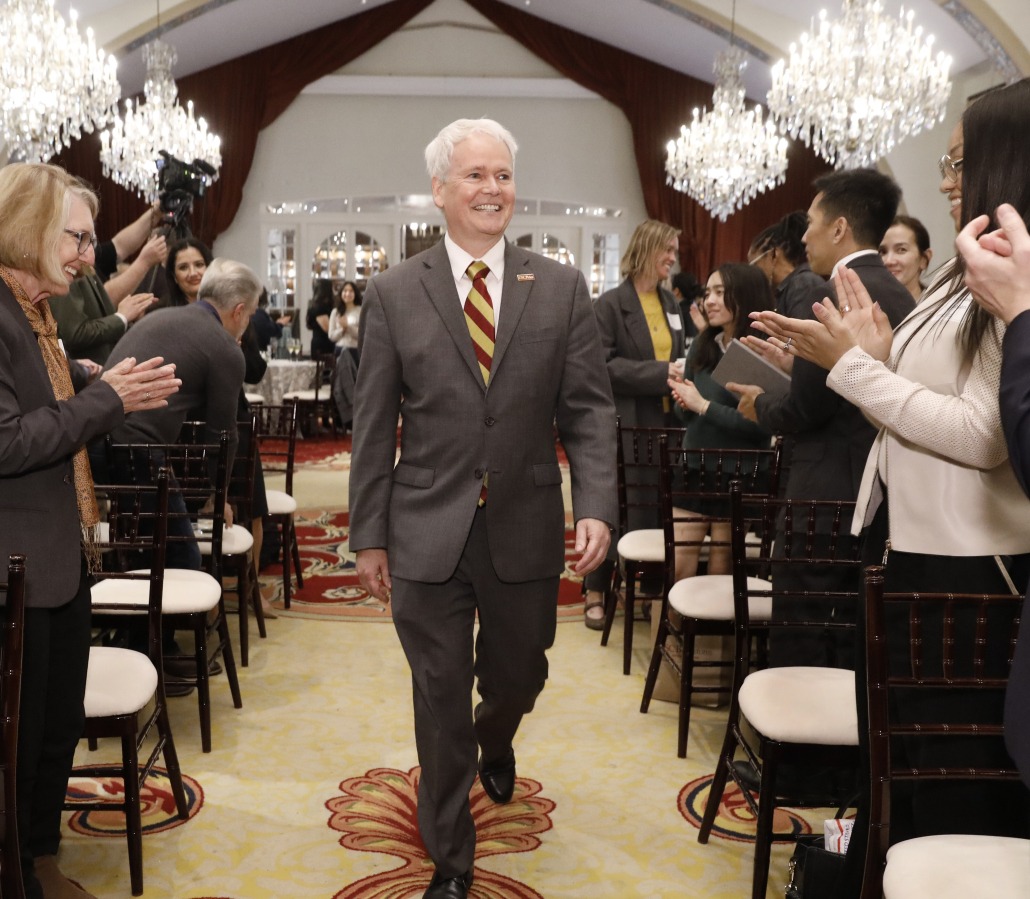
(471, 520)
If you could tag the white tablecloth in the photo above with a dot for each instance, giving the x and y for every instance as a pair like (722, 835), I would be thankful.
(282, 376)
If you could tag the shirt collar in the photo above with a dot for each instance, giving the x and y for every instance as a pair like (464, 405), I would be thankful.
(460, 260)
(850, 257)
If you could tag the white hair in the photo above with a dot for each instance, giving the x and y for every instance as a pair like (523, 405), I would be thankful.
(226, 283)
(441, 147)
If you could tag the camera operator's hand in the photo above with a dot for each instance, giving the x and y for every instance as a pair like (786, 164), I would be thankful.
(133, 307)
(155, 251)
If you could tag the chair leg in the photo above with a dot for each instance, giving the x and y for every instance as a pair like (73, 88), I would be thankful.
(203, 680)
(133, 817)
(686, 684)
(296, 553)
(228, 660)
(171, 759)
(243, 606)
(718, 788)
(255, 598)
(764, 824)
(656, 660)
(629, 600)
(611, 604)
(286, 530)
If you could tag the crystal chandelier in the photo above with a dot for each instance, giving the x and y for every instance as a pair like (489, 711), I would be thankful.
(728, 155)
(53, 84)
(130, 151)
(858, 86)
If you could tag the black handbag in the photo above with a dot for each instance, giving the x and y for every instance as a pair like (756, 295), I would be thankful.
(813, 870)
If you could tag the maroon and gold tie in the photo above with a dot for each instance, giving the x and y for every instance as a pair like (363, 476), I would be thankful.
(479, 316)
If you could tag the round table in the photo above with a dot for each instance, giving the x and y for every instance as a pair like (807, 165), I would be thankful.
(282, 376)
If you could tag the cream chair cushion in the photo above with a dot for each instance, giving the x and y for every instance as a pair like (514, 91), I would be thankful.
(710, 597)
(118, 681)
(802, 705)
(645, 545)
(280, 502)
(185, 591)
(958, 866)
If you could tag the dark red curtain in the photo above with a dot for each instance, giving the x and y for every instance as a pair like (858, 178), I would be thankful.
(656, 100)
(240, 97)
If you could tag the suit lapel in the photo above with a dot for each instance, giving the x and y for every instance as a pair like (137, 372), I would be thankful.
(439, 284)
(636, 323)
(513, 299)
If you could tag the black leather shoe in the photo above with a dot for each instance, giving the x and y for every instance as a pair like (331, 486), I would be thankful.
(498, 778)
(449, 887)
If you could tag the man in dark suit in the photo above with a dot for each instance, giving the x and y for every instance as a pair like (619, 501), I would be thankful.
(998, 274)
(831, 438)
(471, 520)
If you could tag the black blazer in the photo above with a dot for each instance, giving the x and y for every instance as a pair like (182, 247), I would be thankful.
(639, 381)
(1015, 416)
(831, 437)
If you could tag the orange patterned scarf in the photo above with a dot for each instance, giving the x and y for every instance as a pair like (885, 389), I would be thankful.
(45, 328)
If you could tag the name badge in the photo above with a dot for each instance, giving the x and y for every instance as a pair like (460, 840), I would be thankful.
(529, 277)
(675, 321)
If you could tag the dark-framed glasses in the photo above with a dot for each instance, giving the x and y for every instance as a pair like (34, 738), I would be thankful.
(86, 239)
(950, 168)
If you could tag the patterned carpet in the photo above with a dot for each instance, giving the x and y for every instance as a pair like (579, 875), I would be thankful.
(331, 587)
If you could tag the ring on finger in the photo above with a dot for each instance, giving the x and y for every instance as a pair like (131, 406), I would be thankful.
(146, 396)
(787, 343)
(845, 309)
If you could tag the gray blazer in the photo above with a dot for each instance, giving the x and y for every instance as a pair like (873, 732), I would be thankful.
(38, 437)
(639, 381)
(417, 362)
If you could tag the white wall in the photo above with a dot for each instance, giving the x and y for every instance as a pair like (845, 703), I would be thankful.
(572, 150)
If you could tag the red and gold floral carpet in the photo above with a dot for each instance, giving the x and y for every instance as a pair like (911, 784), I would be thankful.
(309, 790)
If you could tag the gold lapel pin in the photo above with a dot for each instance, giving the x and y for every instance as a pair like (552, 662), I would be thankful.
(529, 277)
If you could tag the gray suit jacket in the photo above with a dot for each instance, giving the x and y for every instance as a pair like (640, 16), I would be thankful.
(639, 381)
(417, 361)
(38, 436)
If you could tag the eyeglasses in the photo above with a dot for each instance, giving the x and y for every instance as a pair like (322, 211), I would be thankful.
(86, 239)
(950, 168)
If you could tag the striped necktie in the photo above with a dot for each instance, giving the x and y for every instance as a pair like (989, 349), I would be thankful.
(479, 316)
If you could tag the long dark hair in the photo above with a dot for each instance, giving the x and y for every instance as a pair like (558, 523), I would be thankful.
(995, 170)
(175, 295)
(341, 306)
(745, 290)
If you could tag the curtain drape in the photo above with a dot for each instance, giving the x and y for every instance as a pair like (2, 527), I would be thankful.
(240, 97)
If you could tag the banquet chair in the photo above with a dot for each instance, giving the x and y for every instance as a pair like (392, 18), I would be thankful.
(316, 402)
(121, 684)
(277, 442)
(13, 647)
(969, 654)
(238, 541)
(702, 605)
(641, 551)
(193, 599)
(804, 717)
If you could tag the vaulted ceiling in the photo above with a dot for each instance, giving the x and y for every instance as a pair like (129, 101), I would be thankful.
(682, 34)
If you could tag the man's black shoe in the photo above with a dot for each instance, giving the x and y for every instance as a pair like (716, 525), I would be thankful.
(498, 778)
(449, 887)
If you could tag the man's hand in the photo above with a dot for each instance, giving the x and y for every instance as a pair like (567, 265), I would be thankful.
(998, 263)
(593, 538)
(748, 393)
(133, 307)
(154, 251)
(374, 573)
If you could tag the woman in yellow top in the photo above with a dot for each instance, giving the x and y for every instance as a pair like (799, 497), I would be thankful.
(642, 334)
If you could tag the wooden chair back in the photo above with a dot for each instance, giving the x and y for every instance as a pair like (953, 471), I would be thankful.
(276, 429)
(638, 458)
(955, 642)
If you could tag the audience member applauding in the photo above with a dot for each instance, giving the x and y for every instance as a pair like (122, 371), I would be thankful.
(998, 274)
(48, 511)
(343, 320)
(905, 250)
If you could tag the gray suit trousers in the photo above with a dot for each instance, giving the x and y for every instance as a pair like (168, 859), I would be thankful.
(435, 623)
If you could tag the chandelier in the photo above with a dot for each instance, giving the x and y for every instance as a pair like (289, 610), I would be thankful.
(728, 155)
(131, 150)
(859, 86)
(53, 84)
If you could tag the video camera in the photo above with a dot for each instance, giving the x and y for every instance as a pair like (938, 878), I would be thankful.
(180, 182)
